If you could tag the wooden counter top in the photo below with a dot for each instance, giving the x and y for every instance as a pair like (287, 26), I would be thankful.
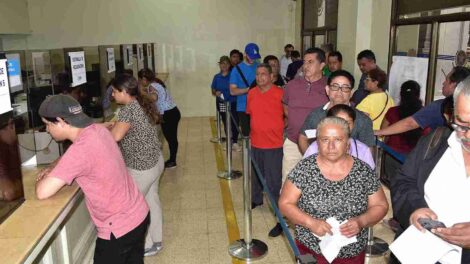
(24, 233)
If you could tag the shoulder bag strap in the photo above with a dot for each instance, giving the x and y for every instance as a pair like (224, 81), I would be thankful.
(385, 106)
(243, 76)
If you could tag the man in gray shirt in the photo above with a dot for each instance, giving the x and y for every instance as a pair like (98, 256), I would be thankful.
(339, 87)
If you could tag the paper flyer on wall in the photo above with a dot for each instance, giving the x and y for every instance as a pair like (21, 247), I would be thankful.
(111, 60)
(14, 72)
(5, 103)
(77, 65)
(406, 68)
(149, 56)
(130, 54)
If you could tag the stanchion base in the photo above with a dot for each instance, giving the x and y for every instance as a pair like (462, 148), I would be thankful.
(229, 176)
(240, 250)
(376, 248)
(217, 140)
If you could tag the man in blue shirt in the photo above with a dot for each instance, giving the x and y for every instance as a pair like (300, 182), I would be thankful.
(429, 116)
(241, 77)
(221, 91)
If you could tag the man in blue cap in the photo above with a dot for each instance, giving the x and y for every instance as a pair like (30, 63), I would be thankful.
(241, 79)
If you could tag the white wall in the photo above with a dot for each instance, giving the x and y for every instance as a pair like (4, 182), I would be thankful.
(191, 35)
(363, 24)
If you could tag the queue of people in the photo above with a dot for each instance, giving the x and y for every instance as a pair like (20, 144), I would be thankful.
(311, 137)
(329, 136)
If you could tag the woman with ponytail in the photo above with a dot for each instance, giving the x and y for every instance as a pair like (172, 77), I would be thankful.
(167, 108)
(136, 133)
(410, 103)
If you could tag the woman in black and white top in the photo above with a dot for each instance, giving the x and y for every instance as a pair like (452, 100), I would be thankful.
(333, 184)
(136, 133)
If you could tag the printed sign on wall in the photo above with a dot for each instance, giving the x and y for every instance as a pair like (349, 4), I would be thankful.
(77, 63)
(129, 55)
(5, 103)
(111, 60)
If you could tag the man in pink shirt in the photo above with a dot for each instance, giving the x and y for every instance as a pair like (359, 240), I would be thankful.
(116, 206)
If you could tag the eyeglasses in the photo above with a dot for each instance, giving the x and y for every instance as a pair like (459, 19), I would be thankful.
(344, 88)
(459, 128)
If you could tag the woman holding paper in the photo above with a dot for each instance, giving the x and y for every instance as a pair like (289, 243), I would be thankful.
(333, 193)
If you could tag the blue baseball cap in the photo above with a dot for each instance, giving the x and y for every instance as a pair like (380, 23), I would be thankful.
(252, 51)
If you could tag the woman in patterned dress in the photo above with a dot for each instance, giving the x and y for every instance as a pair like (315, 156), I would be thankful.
(333, 184)
(136, 133)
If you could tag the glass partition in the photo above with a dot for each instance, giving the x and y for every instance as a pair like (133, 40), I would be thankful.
(453, 50)
(410, 58)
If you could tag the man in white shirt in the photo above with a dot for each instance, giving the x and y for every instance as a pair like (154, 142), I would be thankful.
(434, 181)
(286, 60)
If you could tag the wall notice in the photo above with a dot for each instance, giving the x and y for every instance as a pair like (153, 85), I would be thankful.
(406, 68)
(5, 103)
(111, 60)
(77, 64)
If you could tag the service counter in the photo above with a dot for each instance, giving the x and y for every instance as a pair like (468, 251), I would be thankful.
(55, 230)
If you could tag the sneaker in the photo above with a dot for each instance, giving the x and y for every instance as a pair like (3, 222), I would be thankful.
(154, 250)
(236, 147)
(170, 164)
(276, 231)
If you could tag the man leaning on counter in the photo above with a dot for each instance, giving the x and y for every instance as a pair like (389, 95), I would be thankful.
(94, 161)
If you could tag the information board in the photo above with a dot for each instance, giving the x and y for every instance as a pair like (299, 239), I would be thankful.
(77, 65)
(5, 103)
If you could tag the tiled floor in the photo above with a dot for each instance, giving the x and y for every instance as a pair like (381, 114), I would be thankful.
(195, 228)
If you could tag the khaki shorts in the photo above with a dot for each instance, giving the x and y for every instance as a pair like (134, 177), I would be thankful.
(291, 157)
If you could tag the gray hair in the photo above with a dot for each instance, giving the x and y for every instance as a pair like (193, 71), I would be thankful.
(266, 66)
(333, 120)
(462, 88)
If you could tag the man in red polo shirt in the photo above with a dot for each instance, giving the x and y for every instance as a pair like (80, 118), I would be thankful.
(264, 105)
(94, 161)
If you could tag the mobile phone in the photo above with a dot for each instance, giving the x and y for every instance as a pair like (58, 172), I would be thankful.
(429, 224)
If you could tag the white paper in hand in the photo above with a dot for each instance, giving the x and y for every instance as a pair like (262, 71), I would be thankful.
(330, 245)
(311, 133)
(414, 246)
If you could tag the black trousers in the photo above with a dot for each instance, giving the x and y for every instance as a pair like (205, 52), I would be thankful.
(128, 249)
(244, 121)
(270, 164)
(234, 127)
(171, 118)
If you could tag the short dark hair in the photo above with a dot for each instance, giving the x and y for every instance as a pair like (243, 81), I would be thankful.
(320, 53)
(288, 46)
(379, 76)
(336, 54)
(269, 57)
(266, 66)
(459, 73)
(342, 73)
(234, 51)
(295, 54)
(342, 108)
(368, 54)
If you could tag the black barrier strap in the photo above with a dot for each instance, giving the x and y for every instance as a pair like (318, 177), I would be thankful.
(400, 157)
(279, 216)
(236, 123)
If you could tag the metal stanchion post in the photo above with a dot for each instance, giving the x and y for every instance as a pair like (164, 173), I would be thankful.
(376, 247)
(229, 174)
(247, 248)
(219, 138)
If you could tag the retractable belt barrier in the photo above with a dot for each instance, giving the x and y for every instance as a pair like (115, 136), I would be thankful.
(400, 157)
(230, 173)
